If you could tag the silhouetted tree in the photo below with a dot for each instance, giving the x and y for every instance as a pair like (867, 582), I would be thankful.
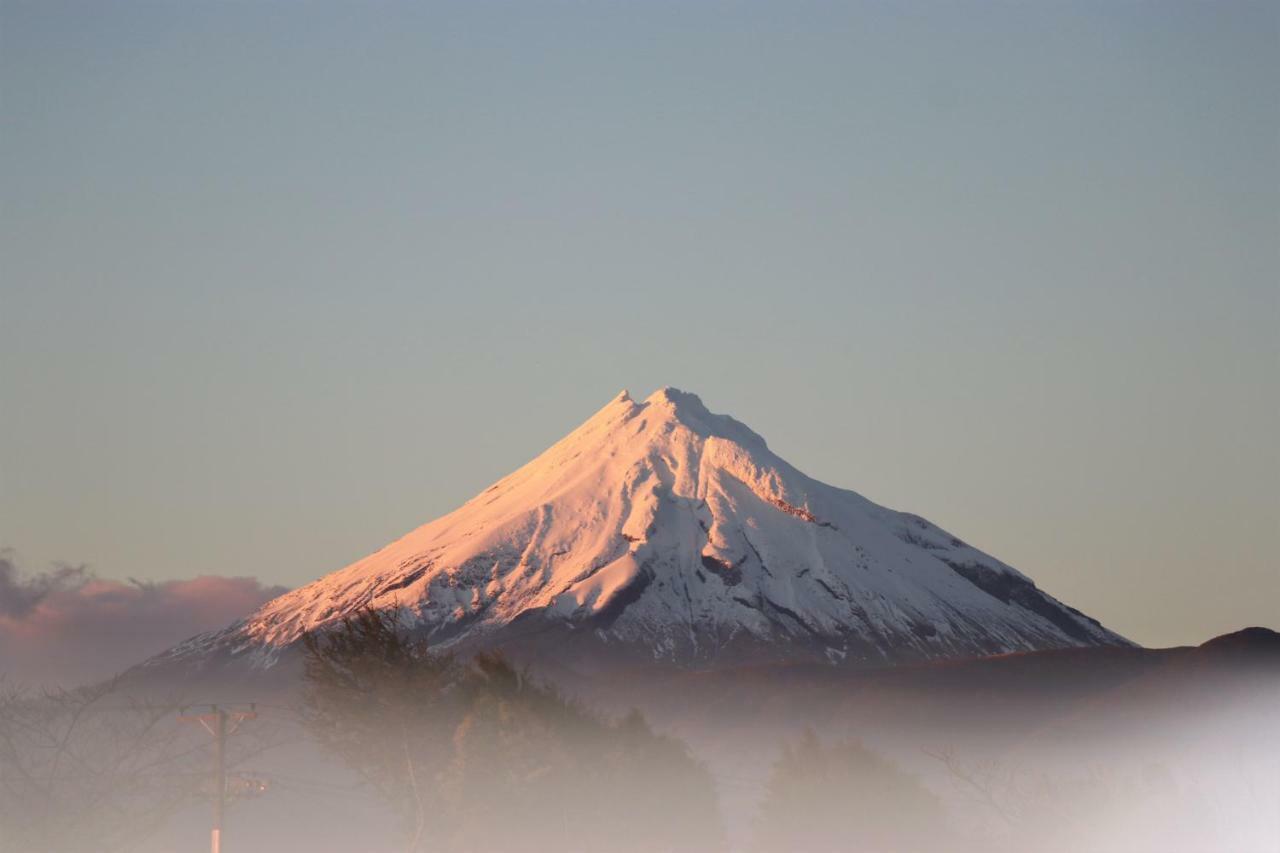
(830, 797)
(658, 782)
(481, 757)
(539, 771)
(386, 705)
(92, 769)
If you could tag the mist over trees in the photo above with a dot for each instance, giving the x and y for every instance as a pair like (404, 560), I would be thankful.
(91, 769)
(107, 767)
(478, 756)
(842, 796)
(403, 748)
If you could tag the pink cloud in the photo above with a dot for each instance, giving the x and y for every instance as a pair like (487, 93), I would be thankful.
(67, 627)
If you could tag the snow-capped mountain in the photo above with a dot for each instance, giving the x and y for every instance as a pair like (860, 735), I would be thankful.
(657, 530)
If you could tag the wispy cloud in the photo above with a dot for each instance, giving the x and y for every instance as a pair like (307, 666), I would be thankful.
(18, 595)
(67, 626)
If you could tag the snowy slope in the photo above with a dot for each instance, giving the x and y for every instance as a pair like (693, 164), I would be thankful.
(659, 530)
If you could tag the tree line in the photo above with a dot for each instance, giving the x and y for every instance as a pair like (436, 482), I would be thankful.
(467, 755)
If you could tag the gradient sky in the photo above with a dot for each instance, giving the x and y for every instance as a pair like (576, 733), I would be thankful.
(281, 281)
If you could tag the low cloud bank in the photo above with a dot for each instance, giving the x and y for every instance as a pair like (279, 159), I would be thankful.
(66, 626)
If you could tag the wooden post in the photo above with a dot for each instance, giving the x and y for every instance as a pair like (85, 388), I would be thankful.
(219, 776)
(215, 722)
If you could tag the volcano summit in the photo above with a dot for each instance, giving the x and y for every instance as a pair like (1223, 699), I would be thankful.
(659, 531)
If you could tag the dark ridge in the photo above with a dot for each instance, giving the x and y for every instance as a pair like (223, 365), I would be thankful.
(406, 580)
(906, 535)
(1011, 589)
(831, 592)
(759, 559)
(1245, 637)
(727, 572)
(1248, 644)
(791, 614)
(923, 630)
(479, 568)
(624, 598)
(452, 629)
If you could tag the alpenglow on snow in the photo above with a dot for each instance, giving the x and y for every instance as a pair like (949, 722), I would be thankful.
(659, 531)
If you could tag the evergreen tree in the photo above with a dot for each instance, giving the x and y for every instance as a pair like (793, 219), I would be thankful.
(838, 797)
(482, 757)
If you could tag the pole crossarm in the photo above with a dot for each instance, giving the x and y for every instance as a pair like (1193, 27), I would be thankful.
(214, 721)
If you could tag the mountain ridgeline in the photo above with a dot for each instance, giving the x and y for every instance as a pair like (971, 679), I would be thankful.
(660, 533)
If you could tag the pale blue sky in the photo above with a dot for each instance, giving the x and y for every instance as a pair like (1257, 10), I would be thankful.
(282, 281)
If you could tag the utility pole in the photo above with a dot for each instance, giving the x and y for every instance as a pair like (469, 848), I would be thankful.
(215, 722)
(219, 777)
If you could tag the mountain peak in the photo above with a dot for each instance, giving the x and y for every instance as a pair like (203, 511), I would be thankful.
(673, 396)
(665, 531)
(688, 410)
(684, 407)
